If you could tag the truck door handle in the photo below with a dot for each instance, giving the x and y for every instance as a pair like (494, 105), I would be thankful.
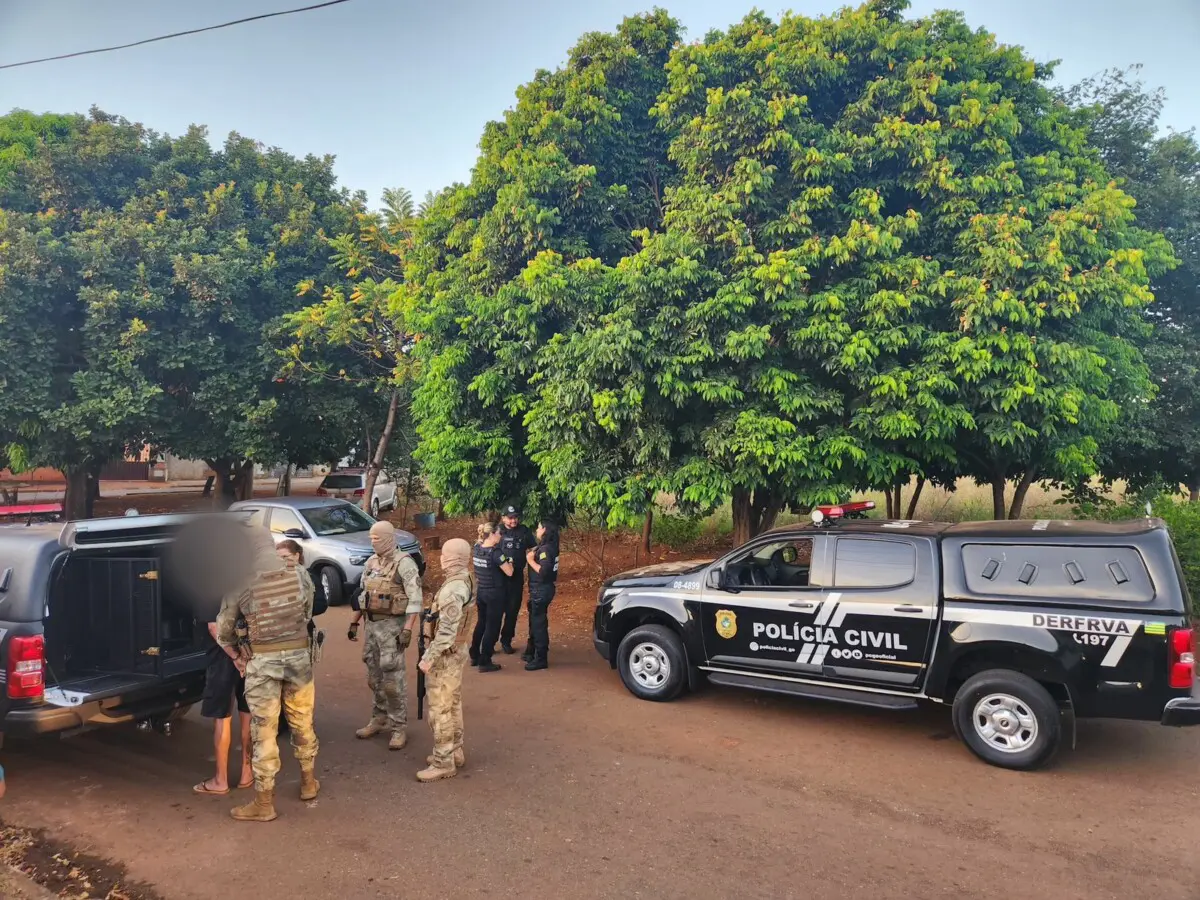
(801, 604)
(909, 609)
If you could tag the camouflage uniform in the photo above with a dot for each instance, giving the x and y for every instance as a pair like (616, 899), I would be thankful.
(276, 605)
(450, 620)
(391, 594)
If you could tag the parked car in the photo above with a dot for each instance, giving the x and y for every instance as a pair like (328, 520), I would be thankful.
(334, 535)
(1019, 626)
(93, 629)
(351, 484)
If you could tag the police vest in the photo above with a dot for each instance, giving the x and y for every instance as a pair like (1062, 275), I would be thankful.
(274, 609)
(486, 563)
(546, 556)
(383, 594)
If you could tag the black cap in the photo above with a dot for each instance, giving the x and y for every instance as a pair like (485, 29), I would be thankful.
(511, 511)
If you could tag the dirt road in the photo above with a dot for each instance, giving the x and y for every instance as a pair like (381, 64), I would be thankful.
(574, 788)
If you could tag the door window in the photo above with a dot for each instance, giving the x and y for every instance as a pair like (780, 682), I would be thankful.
(256, 517)
(283, 520)
(783, 564)
(872, 563)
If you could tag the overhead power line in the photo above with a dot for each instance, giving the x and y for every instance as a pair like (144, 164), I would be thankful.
(167, 37)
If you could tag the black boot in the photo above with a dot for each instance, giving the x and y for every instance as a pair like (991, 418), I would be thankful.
(489, 666)
(538, 662)
(508, 649)
(528, 654)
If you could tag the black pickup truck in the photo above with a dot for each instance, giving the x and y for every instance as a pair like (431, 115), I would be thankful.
(1020, 626)
(93, 628)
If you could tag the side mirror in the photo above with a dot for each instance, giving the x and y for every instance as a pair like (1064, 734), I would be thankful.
(295, 534)
(714, 578)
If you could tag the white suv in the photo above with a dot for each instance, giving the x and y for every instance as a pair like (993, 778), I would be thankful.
(350, 484)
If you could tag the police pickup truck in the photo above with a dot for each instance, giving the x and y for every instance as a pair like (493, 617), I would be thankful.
(1020, 626)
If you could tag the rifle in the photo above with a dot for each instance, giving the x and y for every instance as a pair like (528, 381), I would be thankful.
(420, 674)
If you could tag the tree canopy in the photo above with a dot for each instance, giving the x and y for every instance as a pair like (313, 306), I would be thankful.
(870, 247)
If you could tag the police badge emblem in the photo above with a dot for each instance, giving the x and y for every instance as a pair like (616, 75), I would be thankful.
(726, 623)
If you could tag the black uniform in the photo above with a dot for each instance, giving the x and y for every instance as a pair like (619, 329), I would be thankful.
(541, 592)
(490, 597)
(514, 542)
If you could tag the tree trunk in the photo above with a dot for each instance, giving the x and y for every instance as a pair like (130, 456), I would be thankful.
(244, 481)
(767, 506)
(998, 505)
(380, 451)
(912, 503)
(77, 499)
(741, 516)
(1194, 492)
(1018, 500)
(408, 489)
(888, 500)
(283, 487)
(228, 477)
(647, 531)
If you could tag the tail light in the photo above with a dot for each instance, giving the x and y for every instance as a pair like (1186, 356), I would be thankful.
(321, 492)
(359, 492)
(26, 667)
(1183, 659)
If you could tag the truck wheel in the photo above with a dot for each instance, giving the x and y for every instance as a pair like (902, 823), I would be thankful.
(375, 508)
(179, 712)
(1008, 719)
(331, 583)
(652, 663)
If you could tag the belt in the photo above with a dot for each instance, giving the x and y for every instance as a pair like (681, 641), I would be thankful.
(278, 646)
(377, 614)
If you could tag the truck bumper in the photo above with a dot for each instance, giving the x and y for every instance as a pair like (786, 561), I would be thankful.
(51, 719)
(1182, 711)
(601, 647)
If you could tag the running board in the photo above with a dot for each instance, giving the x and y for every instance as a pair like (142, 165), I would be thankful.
(813, 691)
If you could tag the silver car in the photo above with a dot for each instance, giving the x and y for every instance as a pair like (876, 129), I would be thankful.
(333, 533)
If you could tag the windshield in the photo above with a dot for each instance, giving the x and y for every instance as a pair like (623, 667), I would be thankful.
(340, 519)
(341, 482)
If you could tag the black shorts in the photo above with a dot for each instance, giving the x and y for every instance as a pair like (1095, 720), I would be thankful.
(222, 684)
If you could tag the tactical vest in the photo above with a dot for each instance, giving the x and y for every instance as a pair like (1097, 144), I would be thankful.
(384, 595)
(487, 575)
(466, 622)
(274, 608)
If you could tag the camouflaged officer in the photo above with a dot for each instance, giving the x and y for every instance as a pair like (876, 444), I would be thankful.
(391, 601)
(448, 627)
(276, 604)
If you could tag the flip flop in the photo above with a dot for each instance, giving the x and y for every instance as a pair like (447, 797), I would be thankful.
(203, 788)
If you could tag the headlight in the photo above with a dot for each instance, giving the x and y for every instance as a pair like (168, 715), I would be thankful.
(606, 595)
(359, 560)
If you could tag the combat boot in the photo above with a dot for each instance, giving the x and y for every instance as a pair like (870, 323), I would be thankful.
(372, 728)
(399, 740)
(309, 786)
(433, 773)
(460, 758)
(538, 662)
(260, 809)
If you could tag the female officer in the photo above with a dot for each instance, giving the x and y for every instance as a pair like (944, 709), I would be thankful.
(488, 562)
(543, 572)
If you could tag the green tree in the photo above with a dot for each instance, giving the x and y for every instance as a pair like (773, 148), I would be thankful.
(151, 272)
(72, 395)
(1159, 441)
(574, 169)
(354, 334)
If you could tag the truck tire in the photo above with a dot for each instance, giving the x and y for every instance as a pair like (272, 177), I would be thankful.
(652, 663)
(1008, 720)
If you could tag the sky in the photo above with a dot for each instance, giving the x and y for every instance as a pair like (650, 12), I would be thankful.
(399, 90)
